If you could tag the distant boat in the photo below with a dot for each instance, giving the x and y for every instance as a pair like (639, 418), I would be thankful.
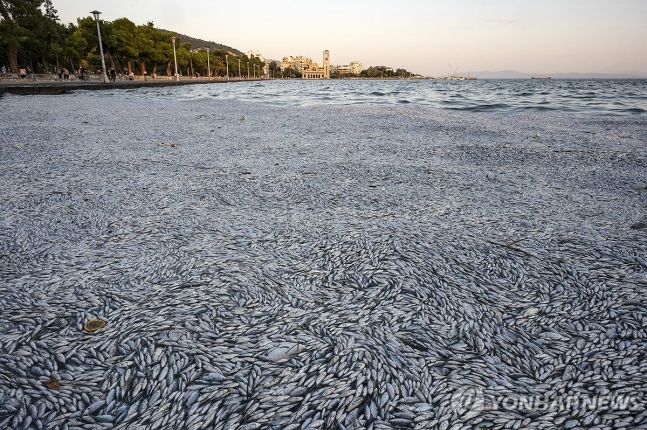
(456, 77)
(541, 77)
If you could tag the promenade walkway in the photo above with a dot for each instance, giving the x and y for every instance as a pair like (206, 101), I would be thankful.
(53, 85)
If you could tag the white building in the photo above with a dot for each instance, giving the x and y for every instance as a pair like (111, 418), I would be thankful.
(256, 54)
(311, 70)
(297, 63)
(314, 71)
(354, 68)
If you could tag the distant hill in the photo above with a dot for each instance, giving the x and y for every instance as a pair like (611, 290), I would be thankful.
(513, 74)
(199, 43)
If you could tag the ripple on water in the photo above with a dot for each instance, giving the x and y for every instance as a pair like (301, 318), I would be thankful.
(596, 96)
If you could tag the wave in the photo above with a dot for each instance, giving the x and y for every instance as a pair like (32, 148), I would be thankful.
(605, 97)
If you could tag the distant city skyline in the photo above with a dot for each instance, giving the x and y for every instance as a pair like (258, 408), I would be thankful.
(428, 37)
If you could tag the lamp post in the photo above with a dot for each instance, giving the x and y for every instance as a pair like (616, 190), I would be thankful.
(248, 70)
(96, 14)
(239, 75)
(177, 77)
(254, 71)
(208, 65)
(227, 63)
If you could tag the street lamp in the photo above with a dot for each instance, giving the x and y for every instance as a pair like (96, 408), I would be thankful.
(239, 75)
(248, 70)
(96, 14)
(208, 65)
(177, 77)
(227, 63)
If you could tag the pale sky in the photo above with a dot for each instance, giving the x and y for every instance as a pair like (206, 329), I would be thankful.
(429, 37)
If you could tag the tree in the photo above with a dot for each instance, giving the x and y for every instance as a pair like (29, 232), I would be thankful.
(162, 52)
(87, 27)
(19, 24)
(31, 34)
(145, 42)
(291, 73)
(183, 58)
(200, 62)
(274, 69)
(74, 47)
(51, 33)
(126, 49)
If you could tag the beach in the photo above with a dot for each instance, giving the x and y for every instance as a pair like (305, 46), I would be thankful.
(330, 266)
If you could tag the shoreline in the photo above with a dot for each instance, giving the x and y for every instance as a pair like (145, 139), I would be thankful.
(62, 87)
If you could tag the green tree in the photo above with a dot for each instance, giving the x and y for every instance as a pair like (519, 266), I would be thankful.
(31, 34)
(126, 49)
(200, 62)
(74, 47)
(291, 73)
(145, 42)
(183, 59)
(162, 52)
(87, 27)
(274, 69)
(21, 28)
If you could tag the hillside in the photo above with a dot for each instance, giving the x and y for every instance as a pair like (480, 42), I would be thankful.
(199, 43)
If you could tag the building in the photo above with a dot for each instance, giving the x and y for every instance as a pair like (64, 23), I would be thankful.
(298, 63)
(354, 68)
(314, 71)
(256, 54)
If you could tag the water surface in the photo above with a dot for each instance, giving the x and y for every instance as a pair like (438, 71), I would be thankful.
(602, 96)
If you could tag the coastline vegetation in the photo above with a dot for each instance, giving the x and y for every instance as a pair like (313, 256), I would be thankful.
(32, 37)
(373, 72)
(386, 72)
(276, 72)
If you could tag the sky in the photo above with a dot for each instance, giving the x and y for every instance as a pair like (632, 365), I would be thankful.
(432, 37)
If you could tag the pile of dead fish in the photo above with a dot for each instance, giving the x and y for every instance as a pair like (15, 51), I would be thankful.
(190, 292)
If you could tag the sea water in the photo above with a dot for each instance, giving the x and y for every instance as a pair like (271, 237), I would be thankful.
(601, 96)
